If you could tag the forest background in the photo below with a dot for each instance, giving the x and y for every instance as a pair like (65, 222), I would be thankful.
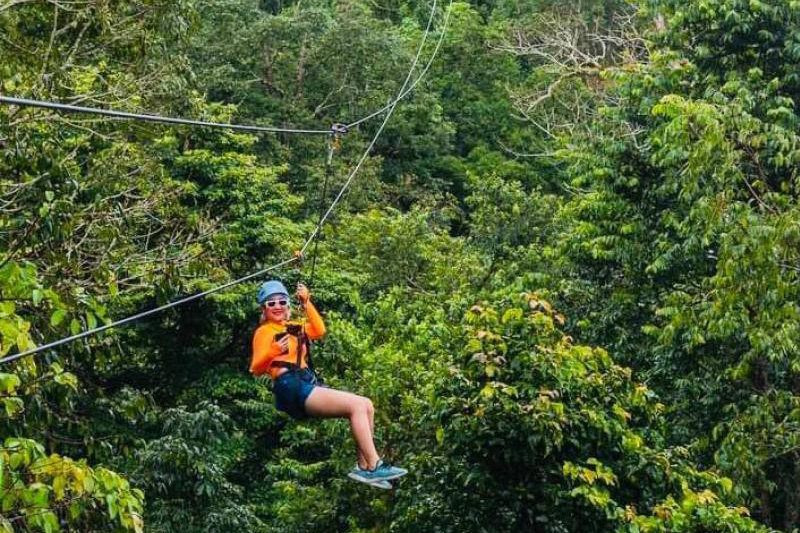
(567, 274)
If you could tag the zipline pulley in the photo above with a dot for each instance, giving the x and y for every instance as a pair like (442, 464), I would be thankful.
(337, 131)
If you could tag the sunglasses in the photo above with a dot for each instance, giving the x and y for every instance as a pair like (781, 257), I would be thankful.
(273, 303)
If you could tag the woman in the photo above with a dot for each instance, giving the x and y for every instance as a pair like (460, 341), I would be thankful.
(280, 349)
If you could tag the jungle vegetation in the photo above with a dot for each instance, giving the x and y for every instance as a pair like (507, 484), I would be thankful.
(567, 274)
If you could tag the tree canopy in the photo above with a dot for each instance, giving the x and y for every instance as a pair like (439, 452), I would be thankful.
(567, 273)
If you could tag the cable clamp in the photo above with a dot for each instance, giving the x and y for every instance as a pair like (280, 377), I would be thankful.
(339, 129)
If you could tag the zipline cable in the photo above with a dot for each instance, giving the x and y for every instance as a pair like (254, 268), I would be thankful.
(403, 94)
(248, 277)
(144, 313)
(148, 117)
(390, 110)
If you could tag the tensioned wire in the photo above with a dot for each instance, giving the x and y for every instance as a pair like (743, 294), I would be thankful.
(149, 117)
(143, 314)
(416, 81)
(403, 92)
(248, 277)
(385, 120)
(24, 102)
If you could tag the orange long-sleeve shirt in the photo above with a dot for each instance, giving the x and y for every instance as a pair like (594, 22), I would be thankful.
(266, 350)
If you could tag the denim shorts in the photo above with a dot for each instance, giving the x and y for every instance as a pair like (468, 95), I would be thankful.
(291, 390)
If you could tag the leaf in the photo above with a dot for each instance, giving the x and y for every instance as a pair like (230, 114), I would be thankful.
(57, 317)
(15, 459)
(59, 484)
(9, 383)
(12, 406)
(138, 522)
(9, 501)
(67, 379)
(91, 320)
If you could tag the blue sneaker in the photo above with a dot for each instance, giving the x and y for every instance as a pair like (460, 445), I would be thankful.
(381, 484)
(383, 472)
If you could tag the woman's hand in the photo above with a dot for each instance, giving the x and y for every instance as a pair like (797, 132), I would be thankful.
(284, 344)
(302, 293)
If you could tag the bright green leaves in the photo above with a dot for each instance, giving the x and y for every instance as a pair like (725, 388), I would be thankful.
(63, 378)
(36, 486)
(17, 281)
(673, 209)
(597, 474)
(692, 512)
(524, 412)
(11, 406)
(686, 228)
(8, 383)
(504, 216)
(10, 403)
(386, 248)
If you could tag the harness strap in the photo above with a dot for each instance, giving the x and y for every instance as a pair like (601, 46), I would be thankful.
(310, 361)
(285, 364)
(294, 368)
(303, 340)
(300, 348)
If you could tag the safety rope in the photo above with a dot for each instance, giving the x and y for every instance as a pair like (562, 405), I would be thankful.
(332, 146)
(248, 277)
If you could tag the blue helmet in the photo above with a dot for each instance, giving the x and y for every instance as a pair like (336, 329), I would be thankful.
(268, 288)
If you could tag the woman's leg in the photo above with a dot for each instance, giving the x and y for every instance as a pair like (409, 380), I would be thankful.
(371, 416)
(324, 403)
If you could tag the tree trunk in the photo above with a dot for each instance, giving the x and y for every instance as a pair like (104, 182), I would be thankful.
(792, 511)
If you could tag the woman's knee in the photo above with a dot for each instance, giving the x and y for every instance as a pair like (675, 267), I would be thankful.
(362, 405)
(369, 406)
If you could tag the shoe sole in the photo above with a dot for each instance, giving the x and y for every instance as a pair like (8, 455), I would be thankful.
(379, 483)
(382, 485)
(396, 476)
(370, 482)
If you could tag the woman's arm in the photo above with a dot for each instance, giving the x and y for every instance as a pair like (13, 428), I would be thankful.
(265, 349)
(316, 327)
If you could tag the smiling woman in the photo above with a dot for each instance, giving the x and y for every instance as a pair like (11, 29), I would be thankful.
(281, 347)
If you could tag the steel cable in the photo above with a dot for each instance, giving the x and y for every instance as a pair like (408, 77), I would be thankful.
(24, 102)
(308, 241)
(403, 94)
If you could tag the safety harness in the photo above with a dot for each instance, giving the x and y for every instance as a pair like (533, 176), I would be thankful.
(302, 341)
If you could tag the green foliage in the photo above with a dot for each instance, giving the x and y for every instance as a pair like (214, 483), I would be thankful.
(186, 471)
(48, 492)
(639, 173)
(683, 225)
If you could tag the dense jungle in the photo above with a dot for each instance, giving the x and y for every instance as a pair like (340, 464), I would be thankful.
(567, 273)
